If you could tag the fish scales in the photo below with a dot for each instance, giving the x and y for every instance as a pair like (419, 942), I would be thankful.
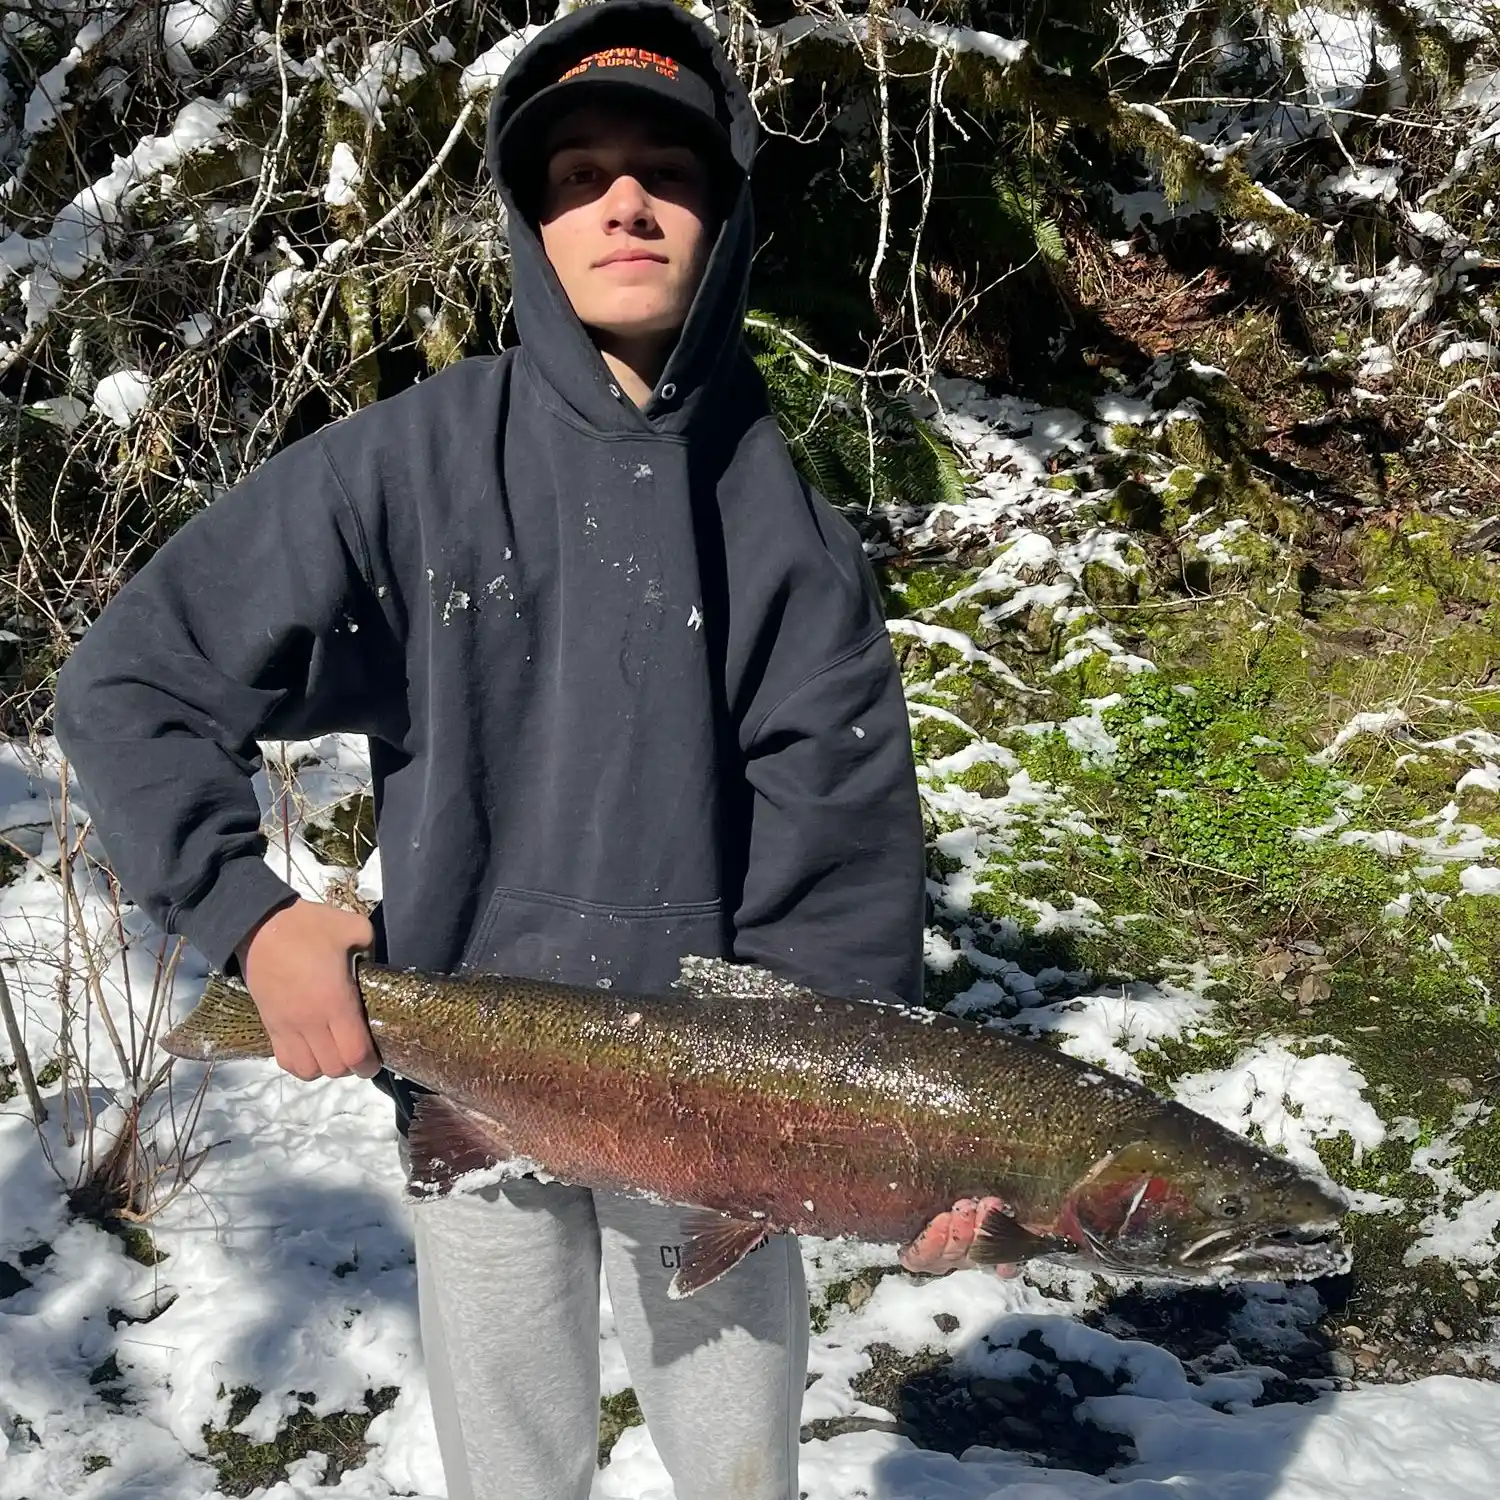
(709, 1100)
(741, 1093)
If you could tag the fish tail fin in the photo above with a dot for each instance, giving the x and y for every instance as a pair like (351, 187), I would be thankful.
(224, 1024)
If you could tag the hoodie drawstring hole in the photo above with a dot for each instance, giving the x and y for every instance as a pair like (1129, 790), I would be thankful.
(668, 391)
(614, 391)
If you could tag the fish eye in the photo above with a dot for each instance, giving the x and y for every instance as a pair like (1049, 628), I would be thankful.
(1230, 1206)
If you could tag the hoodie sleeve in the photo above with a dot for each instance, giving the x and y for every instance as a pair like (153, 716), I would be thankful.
(255, 621)
(834, 891)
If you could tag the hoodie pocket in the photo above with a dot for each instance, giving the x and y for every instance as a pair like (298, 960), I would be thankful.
(537, 935)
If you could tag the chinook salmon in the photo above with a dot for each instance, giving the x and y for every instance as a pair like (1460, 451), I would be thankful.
(770, 1108)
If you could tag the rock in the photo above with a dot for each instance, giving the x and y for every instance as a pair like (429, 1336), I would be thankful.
(831, 1427)
(945, 1321)
(1340, 1364)
(1442, 1330)
(1020, 1429)
(1000, 1392)
(1312, 989)
(11, 1280)
(1353, 1332)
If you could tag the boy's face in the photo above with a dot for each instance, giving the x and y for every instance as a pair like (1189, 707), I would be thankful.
(624, 220)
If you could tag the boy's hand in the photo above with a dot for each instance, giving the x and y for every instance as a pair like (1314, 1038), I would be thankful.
(297, 966)
(945, 1243)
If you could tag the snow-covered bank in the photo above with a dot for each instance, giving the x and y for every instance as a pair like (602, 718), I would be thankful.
(286, 1268)
(291, 1271)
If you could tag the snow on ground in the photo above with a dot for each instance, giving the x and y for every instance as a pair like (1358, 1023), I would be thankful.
(290, 1265)
(288, 1268)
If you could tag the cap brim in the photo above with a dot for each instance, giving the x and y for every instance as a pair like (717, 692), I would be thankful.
(530, 123)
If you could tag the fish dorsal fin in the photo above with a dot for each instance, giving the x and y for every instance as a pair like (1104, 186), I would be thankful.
(447, 1142)
(715, 1244)
(1003, 1241)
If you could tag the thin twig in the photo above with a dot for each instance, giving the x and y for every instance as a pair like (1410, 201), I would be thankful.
(864, 372)
(19, 1053)
(876, 22)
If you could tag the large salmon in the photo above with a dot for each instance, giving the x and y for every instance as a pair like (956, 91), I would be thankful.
(773, 1108)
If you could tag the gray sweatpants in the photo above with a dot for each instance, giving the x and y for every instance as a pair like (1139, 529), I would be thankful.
(508, 1284)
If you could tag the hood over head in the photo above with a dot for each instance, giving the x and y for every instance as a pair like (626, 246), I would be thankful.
(553, 340)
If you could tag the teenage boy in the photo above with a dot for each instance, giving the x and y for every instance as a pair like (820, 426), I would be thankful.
(628, 694)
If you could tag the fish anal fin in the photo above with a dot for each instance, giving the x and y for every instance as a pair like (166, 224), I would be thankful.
(1003, 1241)
(714, 1245)
(447, 1142)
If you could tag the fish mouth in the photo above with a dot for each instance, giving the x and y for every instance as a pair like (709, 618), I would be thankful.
(1305, 1250)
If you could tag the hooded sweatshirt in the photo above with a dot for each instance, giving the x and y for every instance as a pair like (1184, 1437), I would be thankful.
(625, 677)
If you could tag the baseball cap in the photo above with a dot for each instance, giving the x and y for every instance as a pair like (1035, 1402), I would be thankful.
(626, 77)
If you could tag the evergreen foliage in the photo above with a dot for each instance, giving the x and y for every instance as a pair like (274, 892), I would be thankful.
(856, 444)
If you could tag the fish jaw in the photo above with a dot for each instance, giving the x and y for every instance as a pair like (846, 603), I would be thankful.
(1244, 1253)
(1141, 1212)
(1283, 1255)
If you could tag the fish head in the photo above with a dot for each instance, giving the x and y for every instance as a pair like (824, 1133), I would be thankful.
(1214, 1208)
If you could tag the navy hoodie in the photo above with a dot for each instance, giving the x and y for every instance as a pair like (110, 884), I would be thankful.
(625, 677)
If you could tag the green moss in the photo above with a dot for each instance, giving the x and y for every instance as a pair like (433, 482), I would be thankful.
(49, 1073)
(1383, 1283)
(1130, 438)
(1187, 837)
(1188, 442)
(357, 305)
(345, 834)
(1173, 1057)
(1181, 485)
(616, 1413)
(934, 738)
(986, 778)
(140, 1246)
(1419, 562)
(245, 1465)
(1106, 585)
(924, 587)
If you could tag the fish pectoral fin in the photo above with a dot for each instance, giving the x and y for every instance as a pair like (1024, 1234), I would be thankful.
(714, 1244)
(447, 1142)
(1003, 1241)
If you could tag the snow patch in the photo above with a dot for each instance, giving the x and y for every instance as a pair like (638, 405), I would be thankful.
(344, 176)
(1289, 1101)
(79, 235)
(276, 301)
(123, 396)
(388, 66)
(1466, 1235)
